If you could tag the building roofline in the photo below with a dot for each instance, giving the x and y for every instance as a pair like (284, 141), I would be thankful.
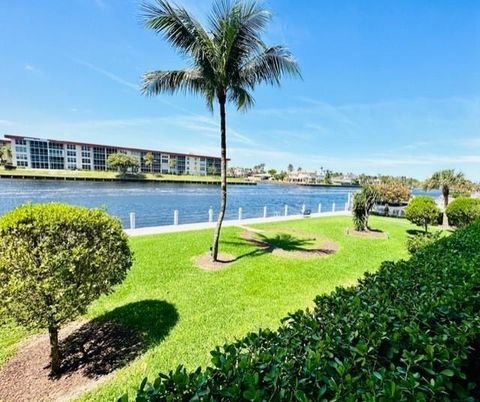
(9, 137)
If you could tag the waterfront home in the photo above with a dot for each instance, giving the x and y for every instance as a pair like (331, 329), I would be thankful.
(305, 177)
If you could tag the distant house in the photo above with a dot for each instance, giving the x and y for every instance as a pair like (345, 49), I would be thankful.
(304, 177)
(259, 177)
(345, 180)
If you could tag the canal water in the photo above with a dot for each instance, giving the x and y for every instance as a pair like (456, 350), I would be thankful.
(154, 203)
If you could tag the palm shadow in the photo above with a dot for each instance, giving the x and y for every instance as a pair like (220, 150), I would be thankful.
(267, 244)
(112, 340)
(414, 232)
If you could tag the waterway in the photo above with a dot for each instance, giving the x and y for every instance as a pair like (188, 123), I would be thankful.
(154, 203)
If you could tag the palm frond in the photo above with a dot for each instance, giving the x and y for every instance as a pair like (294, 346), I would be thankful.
(180, 28)
(188, 80)
(241, 97)
(237, 28)
(270, 66)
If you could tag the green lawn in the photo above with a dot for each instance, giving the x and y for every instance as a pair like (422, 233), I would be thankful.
(112, 175)
(184, 312)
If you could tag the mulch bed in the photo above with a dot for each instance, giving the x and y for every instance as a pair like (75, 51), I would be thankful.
(90, 350)
(205, 262)
(372, 234)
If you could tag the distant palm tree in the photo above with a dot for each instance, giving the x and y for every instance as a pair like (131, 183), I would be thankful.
(445, 180)
(227, 62)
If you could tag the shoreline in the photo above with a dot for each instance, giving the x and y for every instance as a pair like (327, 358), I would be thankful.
(9, 176)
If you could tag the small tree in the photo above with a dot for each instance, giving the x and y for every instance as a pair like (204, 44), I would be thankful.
(363, 203)
(149, 159)
(272, 172)
(422, 211)
(55, 259)
(5, 154)
(290, 168)
(123, 163)
(328, 177)
(172, 164)
(463, 211)
(212, 170)
(393, 192)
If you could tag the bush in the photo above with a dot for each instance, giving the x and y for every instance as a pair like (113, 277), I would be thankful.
(463, 211)
(422, 211)
(54, 260)
(408, 333)
(363, 203)
(420, 241)
(393, 192)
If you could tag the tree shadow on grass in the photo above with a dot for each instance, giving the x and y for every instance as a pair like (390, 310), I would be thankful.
(112, 340)
(414, 232)
(268, 243)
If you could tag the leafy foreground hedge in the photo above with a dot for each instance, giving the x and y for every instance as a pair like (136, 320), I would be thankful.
(411, 332)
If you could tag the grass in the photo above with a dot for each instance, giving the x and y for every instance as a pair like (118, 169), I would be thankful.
(112, 175)
(199, 310)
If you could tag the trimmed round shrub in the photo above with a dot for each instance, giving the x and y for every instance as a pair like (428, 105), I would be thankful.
(463, 211)
(55, 259)
(422, 211)
(419, 242)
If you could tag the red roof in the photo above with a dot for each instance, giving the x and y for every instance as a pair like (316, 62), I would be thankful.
(21, 137)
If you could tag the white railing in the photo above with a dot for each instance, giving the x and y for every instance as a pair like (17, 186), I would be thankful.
(243, 213)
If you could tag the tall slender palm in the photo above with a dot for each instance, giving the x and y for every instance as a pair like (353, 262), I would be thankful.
(445, 180)
(228, 60)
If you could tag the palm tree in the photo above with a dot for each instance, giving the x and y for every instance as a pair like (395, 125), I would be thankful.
(445, 180)
(228, 60)
(148, 158)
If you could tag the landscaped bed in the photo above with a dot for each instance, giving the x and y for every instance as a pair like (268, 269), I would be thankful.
(181, 312)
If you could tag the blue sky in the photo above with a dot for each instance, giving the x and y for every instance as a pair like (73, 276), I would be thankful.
(388, 87)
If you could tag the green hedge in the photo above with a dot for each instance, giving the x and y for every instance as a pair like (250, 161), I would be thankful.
(462, 211)
(409, 332)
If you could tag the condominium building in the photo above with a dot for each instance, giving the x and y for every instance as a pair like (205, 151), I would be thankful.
(39, 153)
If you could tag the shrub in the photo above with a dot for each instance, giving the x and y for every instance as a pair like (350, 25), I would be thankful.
(463, 211)
(363, 203)
(422, 211)
(408, 333)
(54, 260)
(393, 192)
(420, 241)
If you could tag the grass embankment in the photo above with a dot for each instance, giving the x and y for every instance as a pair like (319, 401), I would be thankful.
(185, 312)
(108, 175)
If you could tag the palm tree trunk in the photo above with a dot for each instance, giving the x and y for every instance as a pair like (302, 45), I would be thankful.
(446, 194)
(54, 350)
(223, 179)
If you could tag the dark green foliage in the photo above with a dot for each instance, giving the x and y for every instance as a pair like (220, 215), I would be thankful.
(123, 163)
(463, 211)
(422, 240)
(422, 211)
(55, 259)
(408, 333)
(363, 203)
